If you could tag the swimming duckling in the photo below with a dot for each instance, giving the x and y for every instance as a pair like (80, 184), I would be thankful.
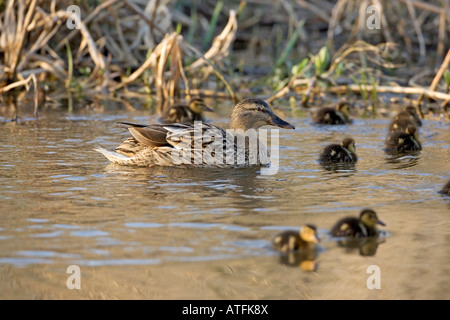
(364, 226)
(291, 240)
(345, 152)
(404, 119)
(181, 113)
(329, 115)
(446, 189)
(401, 141)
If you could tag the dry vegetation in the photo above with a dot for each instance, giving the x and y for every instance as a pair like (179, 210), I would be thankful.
(308, 51)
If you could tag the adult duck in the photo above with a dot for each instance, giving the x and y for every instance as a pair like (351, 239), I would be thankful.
(199, 144)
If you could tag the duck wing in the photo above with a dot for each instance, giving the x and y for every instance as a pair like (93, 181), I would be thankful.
(153, 135)
(348, 227)
(198, 135)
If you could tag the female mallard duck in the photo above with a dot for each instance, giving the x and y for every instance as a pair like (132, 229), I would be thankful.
(364, 226)
(334, 153)
(403, 141)
(404, 119)
(181, 113)
(199, 145)
(291, 240)
(338, 115)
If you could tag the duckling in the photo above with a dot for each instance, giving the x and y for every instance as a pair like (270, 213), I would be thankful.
(446, 189)
(291, 240)
(401, 141)
(364, 226)
(404, 119)
(338, 115)
(180, 113)
(345, 152)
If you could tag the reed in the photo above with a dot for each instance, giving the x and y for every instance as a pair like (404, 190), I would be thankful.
(174, 49)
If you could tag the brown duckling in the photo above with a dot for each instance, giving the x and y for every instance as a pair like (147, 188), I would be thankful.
(403, 141)
(291, 240)
(404, 119)
(446, 189)
(329, 115)
(181, 113)
(364, 226)
(345, 152)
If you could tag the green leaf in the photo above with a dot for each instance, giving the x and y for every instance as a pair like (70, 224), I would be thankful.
(290, 45)
(298, 68)
(447, 77)
(321, 60)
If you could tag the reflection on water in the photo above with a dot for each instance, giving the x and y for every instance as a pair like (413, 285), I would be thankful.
(365, 246)
(63, 203)
(403, 160)
(304, 259)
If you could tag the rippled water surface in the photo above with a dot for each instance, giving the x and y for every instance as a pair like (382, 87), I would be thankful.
(169, 233)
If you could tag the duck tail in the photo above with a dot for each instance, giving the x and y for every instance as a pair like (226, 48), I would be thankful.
(112, 156)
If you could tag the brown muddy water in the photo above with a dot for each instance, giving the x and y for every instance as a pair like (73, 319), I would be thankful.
(168, 233)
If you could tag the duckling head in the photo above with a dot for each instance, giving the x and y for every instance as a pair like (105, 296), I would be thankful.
(369, 218)
(343, 107)
(308, 233)
(253, 113)
(413, 112)
(349, 144)
(198, 106)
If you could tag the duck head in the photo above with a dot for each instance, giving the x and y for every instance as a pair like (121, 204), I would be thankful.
(198, 106)
(254, 113)
(413, 112)
(308, 233)
(349, 144)
(369, 218)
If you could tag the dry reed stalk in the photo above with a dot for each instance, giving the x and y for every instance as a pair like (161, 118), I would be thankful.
(14, 33)
(397, 89)
(384, 23)
(426, 6)
(86, 21)
(441, 35)
(221, 44)
(441, 71)
(325, 16)
(26, 83)
(418, 30)
(332, 23)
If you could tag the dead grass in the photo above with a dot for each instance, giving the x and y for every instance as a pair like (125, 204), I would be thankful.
(156, 47)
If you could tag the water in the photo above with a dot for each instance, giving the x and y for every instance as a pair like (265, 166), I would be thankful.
(168, 233)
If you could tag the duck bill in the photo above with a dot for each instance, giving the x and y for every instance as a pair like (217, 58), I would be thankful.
(206, 108)
(316, 239)
(277, 121)
(381, 223)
